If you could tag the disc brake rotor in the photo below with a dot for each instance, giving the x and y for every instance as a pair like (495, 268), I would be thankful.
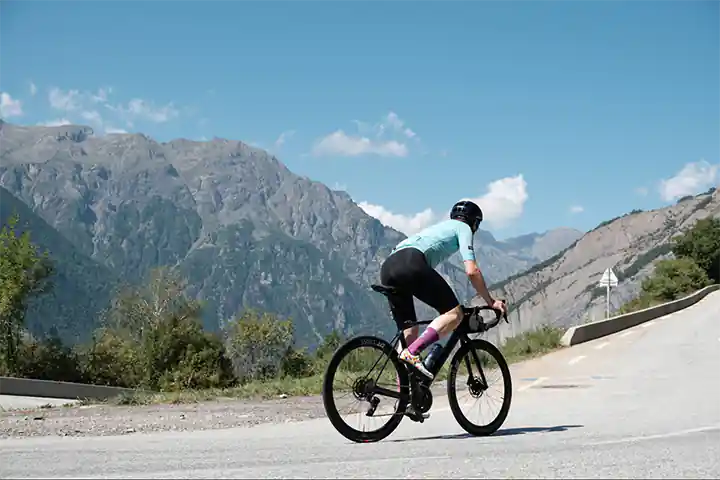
(476, 387)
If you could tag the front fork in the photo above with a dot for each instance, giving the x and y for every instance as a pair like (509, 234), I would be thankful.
(476, 386)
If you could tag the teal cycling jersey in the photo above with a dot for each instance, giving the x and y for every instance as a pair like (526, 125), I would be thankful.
(441, 240)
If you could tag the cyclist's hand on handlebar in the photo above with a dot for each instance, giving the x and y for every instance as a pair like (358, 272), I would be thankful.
(500, 305)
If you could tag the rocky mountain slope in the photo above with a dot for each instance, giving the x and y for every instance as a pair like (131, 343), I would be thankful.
(563, 290)
(80, 284)
(500, 259)
(245, 230)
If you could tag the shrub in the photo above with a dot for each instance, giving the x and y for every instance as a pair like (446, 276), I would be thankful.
(297, 363)
(674, 278)
(702, 244)
(257, 344)
(49, 359)
(110, 359)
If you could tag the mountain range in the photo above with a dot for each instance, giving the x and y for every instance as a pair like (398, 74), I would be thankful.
(241, 227)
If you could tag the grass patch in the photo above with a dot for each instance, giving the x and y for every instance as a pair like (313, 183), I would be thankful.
(532, 343)
(525, 346)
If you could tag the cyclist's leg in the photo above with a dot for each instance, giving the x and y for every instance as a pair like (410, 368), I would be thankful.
(395, 273)
(400, 270)
(433, 290)
(430, 288)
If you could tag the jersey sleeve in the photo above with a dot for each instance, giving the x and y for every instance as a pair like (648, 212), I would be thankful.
(465, 241)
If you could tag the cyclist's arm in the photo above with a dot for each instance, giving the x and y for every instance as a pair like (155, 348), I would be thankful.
(477, 280)
(465, 241)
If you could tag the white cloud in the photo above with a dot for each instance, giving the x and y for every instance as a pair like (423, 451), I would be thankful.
(284, 137)
(577, 209)
(503, 202)
(407, 224)
(85, 104)
(138, 108)
(385, 138)
(394, 122)
(33, 89)
(692, 179)
(102, 95)
(92, 116)
(9, 107)
(642, 191)
(73, 100)
(110, 130)
(56, 123)
(68, 101)
(341, 144)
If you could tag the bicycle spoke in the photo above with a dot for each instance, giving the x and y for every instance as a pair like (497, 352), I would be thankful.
(365, 379)
(475, 384)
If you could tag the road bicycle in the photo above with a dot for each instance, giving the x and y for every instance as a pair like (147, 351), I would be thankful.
(412, 394)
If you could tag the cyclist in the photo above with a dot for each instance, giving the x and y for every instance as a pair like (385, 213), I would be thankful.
(410, 268)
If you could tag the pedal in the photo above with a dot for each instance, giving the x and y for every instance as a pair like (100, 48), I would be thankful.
(416, 416)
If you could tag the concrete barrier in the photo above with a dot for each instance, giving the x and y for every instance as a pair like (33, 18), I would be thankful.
(28, 387)
(601, 328)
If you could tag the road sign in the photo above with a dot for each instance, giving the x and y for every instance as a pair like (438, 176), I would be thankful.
(608, 278)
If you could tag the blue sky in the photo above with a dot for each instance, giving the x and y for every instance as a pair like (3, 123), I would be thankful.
(531, 107)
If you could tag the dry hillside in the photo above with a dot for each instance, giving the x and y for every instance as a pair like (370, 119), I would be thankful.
(563, 290)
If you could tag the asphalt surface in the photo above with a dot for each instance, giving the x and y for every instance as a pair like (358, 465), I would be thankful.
(644, 403)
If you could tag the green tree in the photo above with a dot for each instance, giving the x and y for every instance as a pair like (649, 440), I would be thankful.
(329, 344)
(24, 274)
(702, 244)
(49, 359)
(138, 309)
(111, 359)
(154, 336)
(257, 344)
(673, 278)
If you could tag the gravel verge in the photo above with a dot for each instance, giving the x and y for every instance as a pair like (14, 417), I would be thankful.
(104, 419)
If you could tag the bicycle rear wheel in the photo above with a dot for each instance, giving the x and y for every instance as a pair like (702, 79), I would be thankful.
(482, 360)
(371, 363)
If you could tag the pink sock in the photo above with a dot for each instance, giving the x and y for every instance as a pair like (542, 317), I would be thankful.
(428, 337)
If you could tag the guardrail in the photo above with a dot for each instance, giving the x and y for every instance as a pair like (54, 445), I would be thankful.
(608, 326)
(28, 387)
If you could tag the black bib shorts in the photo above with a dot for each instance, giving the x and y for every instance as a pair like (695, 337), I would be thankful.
(408, 271)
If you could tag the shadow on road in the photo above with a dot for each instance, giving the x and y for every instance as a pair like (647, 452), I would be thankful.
(500, 433)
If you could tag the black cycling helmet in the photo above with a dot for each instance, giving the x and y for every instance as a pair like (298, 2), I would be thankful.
(468, 212)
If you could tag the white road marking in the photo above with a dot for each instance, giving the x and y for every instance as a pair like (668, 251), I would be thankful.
(648, 324)
(629, 332)
(532, 384)
(602, 345)
(576, 359)
(660, 435)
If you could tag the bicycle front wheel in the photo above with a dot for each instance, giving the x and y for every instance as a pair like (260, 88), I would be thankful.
(475, 365)
(366, 373)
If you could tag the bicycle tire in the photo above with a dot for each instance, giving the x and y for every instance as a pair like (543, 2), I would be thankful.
(327, 390)
(467, 425)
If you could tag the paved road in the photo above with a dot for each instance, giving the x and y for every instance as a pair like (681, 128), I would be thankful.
(644, 403)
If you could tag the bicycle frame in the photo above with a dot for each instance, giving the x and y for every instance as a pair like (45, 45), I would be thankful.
(459, 335)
